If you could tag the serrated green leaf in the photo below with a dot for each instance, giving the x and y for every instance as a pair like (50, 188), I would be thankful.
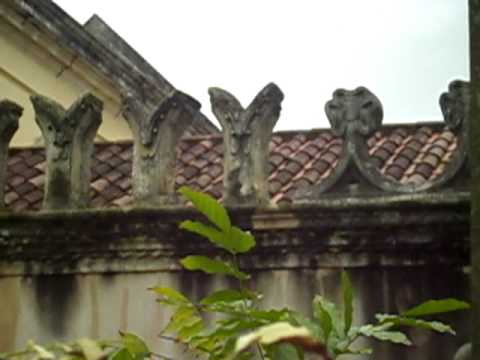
(228, 295)
(214, 235)
(432, 307)
(135, 345)
(347, 302)
(208, 206)
(170, 296)
(211, 266)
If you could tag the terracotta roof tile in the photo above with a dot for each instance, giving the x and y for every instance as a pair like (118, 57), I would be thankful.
(405, 154)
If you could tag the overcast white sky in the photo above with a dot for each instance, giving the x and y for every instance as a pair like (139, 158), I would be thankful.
(405, 51)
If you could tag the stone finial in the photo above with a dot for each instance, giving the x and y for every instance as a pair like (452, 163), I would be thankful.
(352, 111)
(455, 104)
(246, 137)
(9, 115)
(156, 133)
(68, 136)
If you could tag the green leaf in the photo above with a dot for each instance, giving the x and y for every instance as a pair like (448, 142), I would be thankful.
(215, 236)
(281, 332)
(90, 349)
(382, 333)
(42, 353)
(432, 307)
(241, 241)
(211, 266)
(227, 295)
(120, 354)
(170, 296)
(182, 317)
(208, 206)
(135, 345)
(327, 315)
(187, 332)
(347, 301)
(285, 352)
(416, 323)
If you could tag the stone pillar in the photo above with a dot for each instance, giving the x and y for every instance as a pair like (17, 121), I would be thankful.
(9, 115)
(246, 138)
(156, 133)
(68, 136)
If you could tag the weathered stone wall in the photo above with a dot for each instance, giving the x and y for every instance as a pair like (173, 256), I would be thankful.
(70, 274)
(47, 308)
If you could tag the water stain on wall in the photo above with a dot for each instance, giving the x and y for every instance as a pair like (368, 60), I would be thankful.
(55, 300)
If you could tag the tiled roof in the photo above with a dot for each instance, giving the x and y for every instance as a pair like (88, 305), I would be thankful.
(297, 159)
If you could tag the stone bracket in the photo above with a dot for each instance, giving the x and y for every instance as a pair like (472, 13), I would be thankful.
(68, 136)
(246, 137)
(356, 114)
(10, 112)
(156, 133)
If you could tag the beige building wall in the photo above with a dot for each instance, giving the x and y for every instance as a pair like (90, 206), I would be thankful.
(31, 63)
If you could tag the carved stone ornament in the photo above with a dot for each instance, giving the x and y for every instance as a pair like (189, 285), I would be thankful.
(356, 114)
(156, 133)
(246, 137)
(9, 115)
(68, 136)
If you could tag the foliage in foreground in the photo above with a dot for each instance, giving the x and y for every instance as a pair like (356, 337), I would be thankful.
(240, 328)
(243, 328)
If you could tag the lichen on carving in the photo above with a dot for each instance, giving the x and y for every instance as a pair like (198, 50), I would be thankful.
(356, 110)
(156, 132)
(10, 113)
(246, 134)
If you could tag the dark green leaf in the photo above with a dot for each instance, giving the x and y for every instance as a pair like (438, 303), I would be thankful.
(208, 206)
(211, 266)
(227, 295)
(120, 354)
(432, 307)
(347, 301)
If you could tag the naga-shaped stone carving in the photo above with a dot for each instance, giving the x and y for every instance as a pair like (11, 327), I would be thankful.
(356, 114)
(9, 115)
(68, 136)
(156, 133)
(246, 137)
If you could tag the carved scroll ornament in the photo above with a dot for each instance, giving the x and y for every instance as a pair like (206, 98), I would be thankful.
(246, 137)
(356, 114)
